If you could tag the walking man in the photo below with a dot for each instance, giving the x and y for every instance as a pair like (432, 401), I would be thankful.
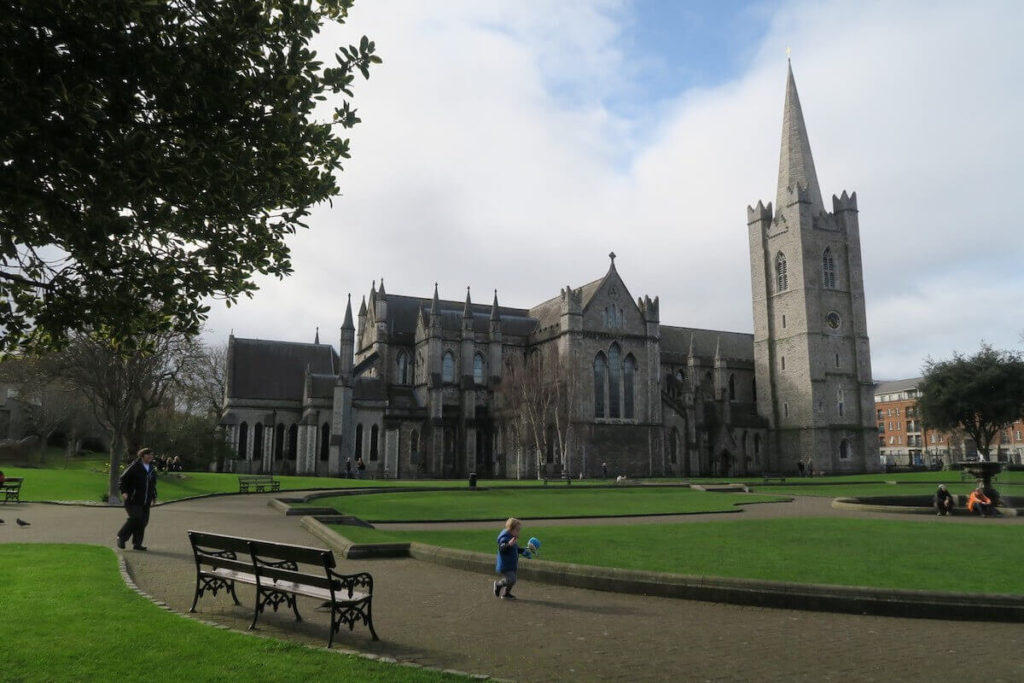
(138, 491)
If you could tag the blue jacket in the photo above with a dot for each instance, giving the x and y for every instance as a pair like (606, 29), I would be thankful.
(508, 554)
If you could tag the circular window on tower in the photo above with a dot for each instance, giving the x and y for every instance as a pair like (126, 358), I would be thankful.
(833, 320)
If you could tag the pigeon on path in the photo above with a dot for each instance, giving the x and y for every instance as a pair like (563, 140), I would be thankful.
(22, 522)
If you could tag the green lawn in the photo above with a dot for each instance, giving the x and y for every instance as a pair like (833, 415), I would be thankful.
(879, 553)
(88, 626)
(500, 503)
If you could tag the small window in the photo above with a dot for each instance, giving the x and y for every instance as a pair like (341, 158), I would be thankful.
(844, 449)
(828, 270)
(783, 362)
(448, 367)
(837, 360)
(781, 273)
(403, 368)
(478, 369)
(374, 433)
(785, 410)
(783, 321)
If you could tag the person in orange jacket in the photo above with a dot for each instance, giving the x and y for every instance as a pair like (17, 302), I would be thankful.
(979, 503)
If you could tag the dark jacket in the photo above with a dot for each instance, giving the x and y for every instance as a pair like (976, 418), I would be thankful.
(139, 484)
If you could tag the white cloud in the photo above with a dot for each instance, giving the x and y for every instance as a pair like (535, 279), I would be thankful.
(487, 158)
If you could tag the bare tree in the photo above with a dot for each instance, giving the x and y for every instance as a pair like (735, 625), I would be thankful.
(537, 394)
(203, 383)
(50, 403)
(123, 387)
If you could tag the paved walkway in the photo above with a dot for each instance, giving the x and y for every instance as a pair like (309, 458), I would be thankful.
(449, 619)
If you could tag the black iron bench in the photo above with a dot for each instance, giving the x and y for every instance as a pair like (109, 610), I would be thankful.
(11, 489)
(257, 483)
(768, 476)
(280, 573)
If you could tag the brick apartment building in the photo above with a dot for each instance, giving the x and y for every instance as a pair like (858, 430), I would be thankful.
(904, 441)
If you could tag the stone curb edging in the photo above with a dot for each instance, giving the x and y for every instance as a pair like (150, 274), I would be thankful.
(757, 593)
(866, 504)
(130, 583)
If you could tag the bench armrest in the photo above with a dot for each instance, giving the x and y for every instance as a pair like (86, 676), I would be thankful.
(348, 583)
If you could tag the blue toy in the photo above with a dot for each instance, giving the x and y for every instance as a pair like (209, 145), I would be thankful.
(532, 547)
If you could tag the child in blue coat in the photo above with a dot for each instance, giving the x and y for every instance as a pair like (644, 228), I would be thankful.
(508, 558)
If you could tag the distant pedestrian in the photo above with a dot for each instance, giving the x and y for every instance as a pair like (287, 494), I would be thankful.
(800, 466)
(138, 491)
(604, 470)
(508, 558)
(348, 468)
(360, 467)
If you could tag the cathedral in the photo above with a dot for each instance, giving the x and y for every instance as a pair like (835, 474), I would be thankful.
(589, 383)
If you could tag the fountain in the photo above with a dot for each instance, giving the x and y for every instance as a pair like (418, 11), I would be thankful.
(983, 470)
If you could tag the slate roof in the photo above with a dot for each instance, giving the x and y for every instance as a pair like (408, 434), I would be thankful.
(675, 344)
(275, 370)
(403, 311)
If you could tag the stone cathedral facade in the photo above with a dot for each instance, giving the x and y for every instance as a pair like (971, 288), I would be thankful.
(420, 386)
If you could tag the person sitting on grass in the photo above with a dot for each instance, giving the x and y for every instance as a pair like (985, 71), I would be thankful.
(979, 503)
(943, 501)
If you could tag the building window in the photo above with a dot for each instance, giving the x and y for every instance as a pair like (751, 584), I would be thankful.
(844, 449)
(359, 441)
(783, 321)
(674, 446)
(600, 372)
(828, 270)
(325, 441)
(840, 401)
(781, 273)
(785, 410)
(448, 367)
(374, 432)
(614, 380)
(278, 451)
(243, 439)
(837, 360)
(403, 368)
(732, 387)
(478, 369)
(629, 388)
(414, 447)
(783, 362)
(293, 442)
(257, 442)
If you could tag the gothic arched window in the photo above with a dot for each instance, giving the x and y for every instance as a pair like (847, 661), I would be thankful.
(614, 380)
(448, 367)
(403, 368)
(359, 441)
(243, 439)
(840, 401)
(629, 387)
(600, 372)
(781, 273)
(828, 270)
(732, 387)
(374, 432)
(293, 442)
(674, 446)
(844, 449)
(478, 369)
(325, 441)
(257, 441)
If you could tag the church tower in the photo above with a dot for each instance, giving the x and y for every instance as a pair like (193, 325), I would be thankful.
(811, 355)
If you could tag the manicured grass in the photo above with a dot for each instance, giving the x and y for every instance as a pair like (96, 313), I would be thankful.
(939, 556)
(500, 503)
(87, 625)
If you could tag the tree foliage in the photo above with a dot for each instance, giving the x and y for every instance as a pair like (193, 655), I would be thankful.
(981, 394)
(157, 153)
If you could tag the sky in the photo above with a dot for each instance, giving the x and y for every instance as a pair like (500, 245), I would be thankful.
(512, 145)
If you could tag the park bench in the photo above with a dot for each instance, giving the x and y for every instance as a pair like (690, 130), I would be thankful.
(768, 476)
(281, 573)
(257, 483)
(11, 489)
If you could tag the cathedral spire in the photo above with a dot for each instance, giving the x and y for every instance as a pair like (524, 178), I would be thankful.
(467, 311)
(435, 305)
(796, 167)
(495, 316)
(316, 338)
(347, 325)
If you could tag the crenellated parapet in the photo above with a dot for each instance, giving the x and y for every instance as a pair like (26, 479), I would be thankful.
(759, 213)
(844, 202)
(571, 300)
(650, 308)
